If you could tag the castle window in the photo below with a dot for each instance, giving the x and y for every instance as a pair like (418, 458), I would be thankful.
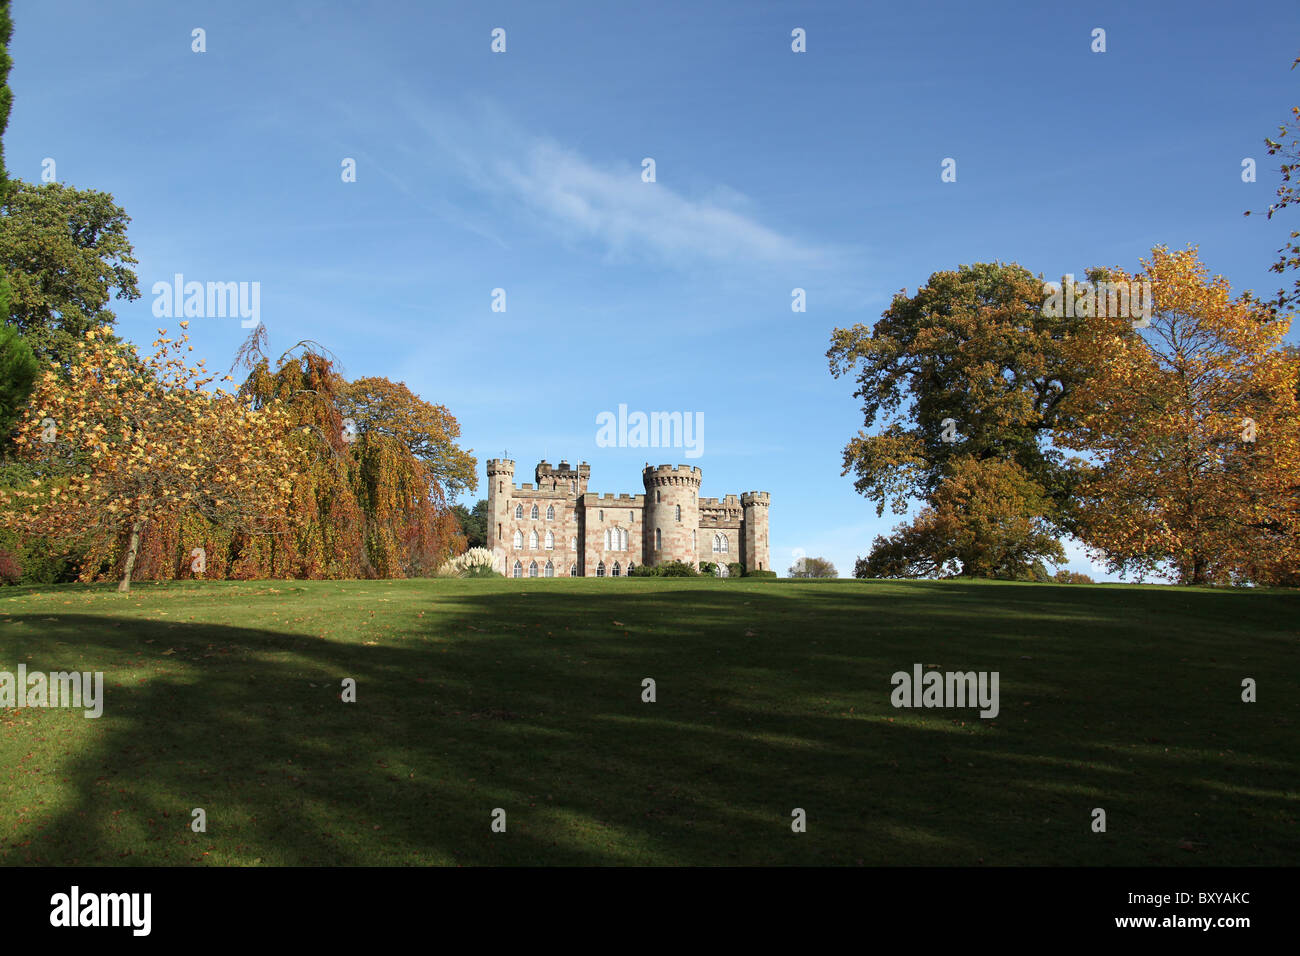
(532, 540)
(519, 570)
(658, 497)
(532, 570)
(726, 544)
(616, 574)
(550, 512)
(519, 539)
(679, 512)
(550, 570)
(630, 568)
(573, 487)
(631, 516)
(550, 541)
(501, 486)
(601, 514)
(600, 570)
(573, 570)
(533, 513)
(659, 539)
(694, 546)
(573, 544)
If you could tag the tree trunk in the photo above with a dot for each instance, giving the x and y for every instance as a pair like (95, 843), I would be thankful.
(131, 550)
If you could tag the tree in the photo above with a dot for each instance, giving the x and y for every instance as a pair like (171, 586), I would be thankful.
(6, 94)
(1190, 432)
(158, 445)
(427, 431)
(473, 524)
(967, 367)
(1287, 145)
(64, 251)
(987, 519)
(812, 568)
(17, 374)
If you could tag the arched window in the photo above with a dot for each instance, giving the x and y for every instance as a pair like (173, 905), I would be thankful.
(532, 570)
(679, 512)
(550, 541)
(726, 544)
(519, 539)
(573, 487)
(573, 570)
(630, 568)
(519, 512)
(616, 572)
(532, 540)
(609, 543)
(550, 570)
(519, 570)
(659, 539)
(533, 513)
(550, 512)
(600, 570)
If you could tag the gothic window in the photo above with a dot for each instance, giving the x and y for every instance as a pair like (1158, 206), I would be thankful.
(659, 539)
(532, 540)
(550, 512)
(532, 570)
(550, 541)
(616, 574)
(726, 544)
(600, 570)
(550, 570)
(519, 539)
(519, 570)
(519, 512)
(573, 570)
(533, 514)
(630, 568)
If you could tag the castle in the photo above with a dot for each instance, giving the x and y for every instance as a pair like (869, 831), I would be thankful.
(559, 529)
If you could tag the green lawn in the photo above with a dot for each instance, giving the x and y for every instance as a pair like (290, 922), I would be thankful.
(772, 695)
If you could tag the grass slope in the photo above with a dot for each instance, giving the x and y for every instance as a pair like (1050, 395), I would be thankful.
(772, 695)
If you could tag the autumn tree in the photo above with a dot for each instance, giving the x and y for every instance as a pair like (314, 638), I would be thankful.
(66, 255)
(428, 432)
(1189, 432)
(155, 442)
(987, 519)
(968, 367)
(473, 523)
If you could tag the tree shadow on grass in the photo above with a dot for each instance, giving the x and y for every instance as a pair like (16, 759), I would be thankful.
(529, 698)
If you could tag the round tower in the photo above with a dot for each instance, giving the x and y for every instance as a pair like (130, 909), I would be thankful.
(672, 514)
(755, 555)
(501, 488)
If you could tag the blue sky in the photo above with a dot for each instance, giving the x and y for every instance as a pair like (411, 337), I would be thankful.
(522, 171)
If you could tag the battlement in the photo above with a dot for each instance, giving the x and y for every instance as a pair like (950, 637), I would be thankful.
(730, 501)
(500, 466)
(755, 499)
(563, 470)
(590, 499)
(671, 475)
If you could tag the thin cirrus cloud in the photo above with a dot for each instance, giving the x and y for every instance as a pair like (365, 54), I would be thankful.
(578, 199)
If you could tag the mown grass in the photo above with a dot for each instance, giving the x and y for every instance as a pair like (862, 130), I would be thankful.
(772, 695)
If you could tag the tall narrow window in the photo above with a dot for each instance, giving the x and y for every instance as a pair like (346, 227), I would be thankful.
(630, 568)
(532, 540)
(519, 539)
(550, 512)
(631, 517)
(532, 570)
(519, 570)
(679, 512)
(601, 515)
(600, 570)
(519, 512)
(659, 539)
(573, 544)
(550, 541)
(573, 570)
(550, 570)
(694, 546)
(616, 572)
(533, 513)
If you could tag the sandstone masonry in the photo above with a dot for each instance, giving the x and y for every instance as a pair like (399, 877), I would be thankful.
(557, 528)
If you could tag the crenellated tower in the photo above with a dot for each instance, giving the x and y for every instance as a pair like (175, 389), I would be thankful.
(755, 505)
(672, 514)
(501, 484)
